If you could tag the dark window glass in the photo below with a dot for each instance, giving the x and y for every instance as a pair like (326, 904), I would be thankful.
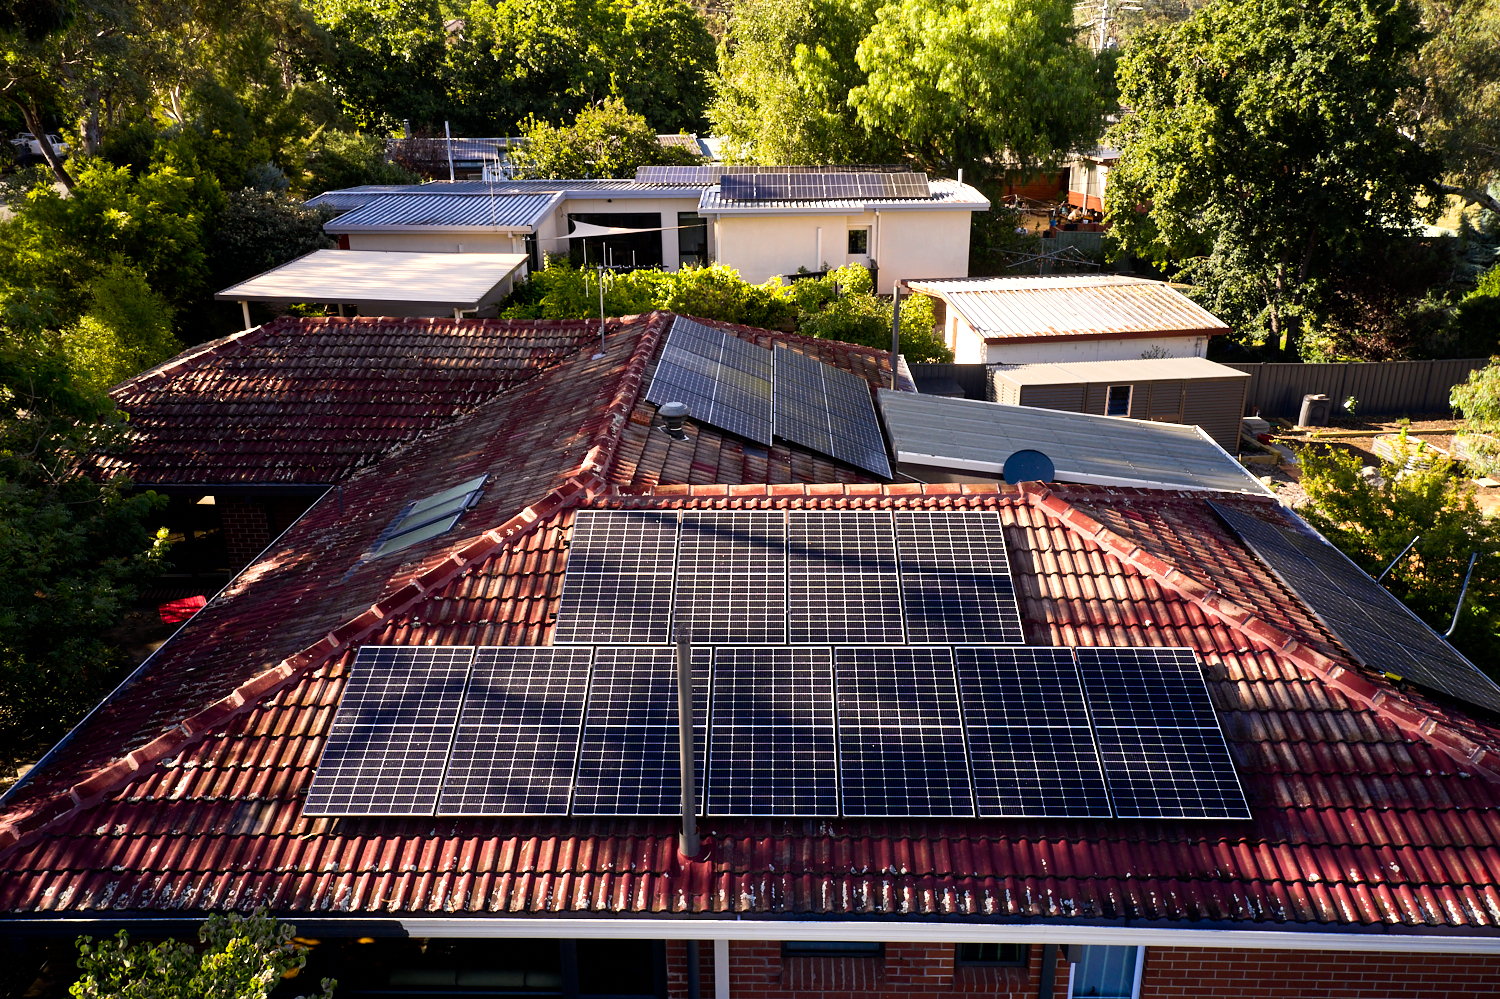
(859, 242)
(619, 967)
(1004, 954)
(1118, 403)
(623, 250)
(1104, 972)
(692, 239)
(831, 948)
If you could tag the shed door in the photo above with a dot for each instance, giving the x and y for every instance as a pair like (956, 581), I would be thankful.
(1166, 399)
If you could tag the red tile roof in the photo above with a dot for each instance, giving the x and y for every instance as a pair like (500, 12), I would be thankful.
(306, 401)
(1373, 807)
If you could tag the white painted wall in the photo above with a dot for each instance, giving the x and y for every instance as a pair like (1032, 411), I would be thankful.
(433, 242)
(905, 244)
(556, 224)
(970, 348)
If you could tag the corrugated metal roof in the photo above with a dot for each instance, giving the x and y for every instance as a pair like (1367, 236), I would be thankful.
(945, 194)
(979, 436)
(1154, 369)
(1072, 306)
(448, 212)
(460, 280)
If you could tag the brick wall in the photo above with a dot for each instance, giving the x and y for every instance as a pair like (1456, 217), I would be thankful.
(758, 971)
(247, 529)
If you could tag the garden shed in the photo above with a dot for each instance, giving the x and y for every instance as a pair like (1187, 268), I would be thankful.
(1191, 390)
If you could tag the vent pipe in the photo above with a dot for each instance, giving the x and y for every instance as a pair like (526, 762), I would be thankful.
(895, 329)
(688, 844)
(448, 141)
(1462, 593)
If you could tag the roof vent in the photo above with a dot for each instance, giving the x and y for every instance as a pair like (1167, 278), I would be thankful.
(673, 416)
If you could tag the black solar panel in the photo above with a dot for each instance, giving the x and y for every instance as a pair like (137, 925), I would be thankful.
(771, 744)
(1164, 756)
(618, 585)
(724, 381)
(827, 410)
(516, 745)
(901, 743)
(1371, 623)
(955, 578)
(796, 186)
(731, 587)
(390, 737)
(628, 763)
(1031, 746)
(842, 581)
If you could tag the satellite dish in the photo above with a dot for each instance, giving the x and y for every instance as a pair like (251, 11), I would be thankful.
(1028, 466)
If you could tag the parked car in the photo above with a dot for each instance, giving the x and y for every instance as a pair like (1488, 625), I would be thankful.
(29, 148)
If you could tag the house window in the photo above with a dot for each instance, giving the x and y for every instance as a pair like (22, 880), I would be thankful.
(427, 518)
(1106, 972)
(859, 242)
(990, 955)
(1118, 403)
(692, 239)
(831, 948)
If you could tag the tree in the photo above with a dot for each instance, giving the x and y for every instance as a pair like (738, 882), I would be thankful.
(984, 85)
(240, 957)
(127, 328)
(604, 140)
(1263, 141)
(337, 160)
(1372, 519)
(1457, 112)
(73, 551)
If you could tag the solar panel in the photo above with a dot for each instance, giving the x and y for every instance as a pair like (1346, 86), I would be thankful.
(724, 381)
(628, 762)
(618, 585)
(827, 410)
(901, 743)
(1365, 617)
(1031, 747)
(842, 581)
(731, 587)
(955, 578)
(786, 185)
(389, 741)
(1163, 753)
(771, 744)
(516, 746)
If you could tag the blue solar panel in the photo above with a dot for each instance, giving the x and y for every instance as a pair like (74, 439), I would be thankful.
(618, 588)
(731, 587)
(955, 578)
(842, 578)
(723, 380)
(827, 410)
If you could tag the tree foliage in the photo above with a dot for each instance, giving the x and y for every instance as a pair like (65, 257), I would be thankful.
(604, 140)
(1372, 519)
(72, 550)
(1263, 142)
(238, 957)
(1457, 111)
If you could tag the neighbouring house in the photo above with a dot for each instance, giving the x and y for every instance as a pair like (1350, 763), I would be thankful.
(940, 439)
(424, 727)
(1191, 390)
(1075, 317)
(761, 222)
(1087, 175)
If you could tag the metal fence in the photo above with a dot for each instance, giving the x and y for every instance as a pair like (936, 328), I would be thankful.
(1379, 388)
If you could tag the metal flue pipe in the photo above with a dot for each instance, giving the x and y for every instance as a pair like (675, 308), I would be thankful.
(688, 843)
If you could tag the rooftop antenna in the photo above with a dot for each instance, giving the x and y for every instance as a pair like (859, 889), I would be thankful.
(448, 136)
(688, 843)
(601, 312)
(895, 330)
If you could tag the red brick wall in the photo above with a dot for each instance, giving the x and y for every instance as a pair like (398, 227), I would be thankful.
(1194, 973)
(758, 971)
(247, 530)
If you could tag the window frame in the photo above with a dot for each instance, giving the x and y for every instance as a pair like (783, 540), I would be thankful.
(1138, 971)
(862, 230)
(873, 949)
(959, 961)
(1109, 399)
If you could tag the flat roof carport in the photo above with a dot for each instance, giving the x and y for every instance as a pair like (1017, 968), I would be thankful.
(456, 282)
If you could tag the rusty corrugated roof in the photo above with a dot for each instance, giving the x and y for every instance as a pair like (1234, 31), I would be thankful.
(1074, 306)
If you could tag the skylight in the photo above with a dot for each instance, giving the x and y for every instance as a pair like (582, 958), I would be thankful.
(427, 518)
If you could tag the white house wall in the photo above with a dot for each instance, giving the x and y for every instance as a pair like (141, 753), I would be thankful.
(436, 242)
(969, 348)
(905, 244)
(556, 224)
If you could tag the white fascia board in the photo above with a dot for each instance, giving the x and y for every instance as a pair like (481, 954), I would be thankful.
(395, 229)
(845, 210)
(1062, 474)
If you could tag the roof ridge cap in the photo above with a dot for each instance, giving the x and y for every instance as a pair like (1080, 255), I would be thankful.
(192, 355)
(1389, 704)
(22, 828)
(604, 447)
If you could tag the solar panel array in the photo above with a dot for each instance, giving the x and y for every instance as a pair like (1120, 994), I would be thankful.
(723, 380)
(710, 174)
(800, 577)
(787, 186)
(913, 731)
(1371, 623)
(828, 410)
(732, 384)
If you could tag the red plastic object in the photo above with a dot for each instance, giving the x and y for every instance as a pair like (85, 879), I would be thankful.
(178, 611)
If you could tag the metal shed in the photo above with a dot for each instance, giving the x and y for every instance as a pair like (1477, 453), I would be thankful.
(1190, 390)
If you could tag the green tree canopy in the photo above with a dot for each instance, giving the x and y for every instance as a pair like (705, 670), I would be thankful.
(1263, 140)
(238, 957)
(605, 140)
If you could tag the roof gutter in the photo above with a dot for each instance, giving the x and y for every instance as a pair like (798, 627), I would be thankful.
(866, 930)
